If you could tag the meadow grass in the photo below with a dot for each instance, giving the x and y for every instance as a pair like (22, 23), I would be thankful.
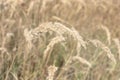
(59, 40)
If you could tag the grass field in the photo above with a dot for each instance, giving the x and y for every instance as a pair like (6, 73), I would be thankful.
(59, 40)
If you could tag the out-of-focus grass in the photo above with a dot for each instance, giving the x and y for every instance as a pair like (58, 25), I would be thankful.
(22, 54)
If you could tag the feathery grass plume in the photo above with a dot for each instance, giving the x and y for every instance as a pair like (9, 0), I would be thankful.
(99, 44)
(56, 27)
(60, 30)
(51, 72)
(82, 60)
(117, 42)
(72, 32)
(107, 33)
(50, 46)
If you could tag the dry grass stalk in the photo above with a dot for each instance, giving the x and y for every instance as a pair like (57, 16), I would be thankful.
(50, 46)
(60, 20)
(30, 7)
(117, 42)
(69, 2)
(51, 72)
(14, 75)
(107, 33)
(44, 2)
(82, 60)
(79, 40)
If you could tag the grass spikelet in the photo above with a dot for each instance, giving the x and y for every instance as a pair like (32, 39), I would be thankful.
(51, 72)
(107, 33)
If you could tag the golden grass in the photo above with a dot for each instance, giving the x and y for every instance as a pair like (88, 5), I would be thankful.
(59, 40)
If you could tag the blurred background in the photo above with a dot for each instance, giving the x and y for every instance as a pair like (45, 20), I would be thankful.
(85, 15)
